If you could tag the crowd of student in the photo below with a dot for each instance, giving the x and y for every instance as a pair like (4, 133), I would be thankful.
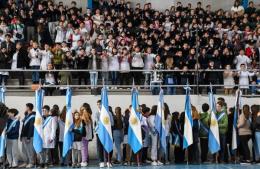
(151, 153)
(116, 38)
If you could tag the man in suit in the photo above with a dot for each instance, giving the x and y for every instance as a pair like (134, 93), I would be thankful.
(9, 45)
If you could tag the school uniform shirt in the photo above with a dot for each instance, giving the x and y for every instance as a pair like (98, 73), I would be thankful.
(46, 59)
(60, 36)
(34, 55)
(50, 125)
(242, 59)
(28, 126)
(89, 131)
(151, 124)
(243, 79)
(113, 63)
(13, 126)
(61, 125)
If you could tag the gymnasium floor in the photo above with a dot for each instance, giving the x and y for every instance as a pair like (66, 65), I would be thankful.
(224, 166)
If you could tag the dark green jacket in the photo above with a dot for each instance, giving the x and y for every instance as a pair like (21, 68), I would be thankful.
(204, 120)
(222, 123)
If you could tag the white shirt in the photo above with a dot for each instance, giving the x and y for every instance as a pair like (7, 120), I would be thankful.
(60, 36)
(241, 59)
(35, 57)
(237, 9)
(14, 61)
(113, 63)
(124, 65)
(243, 79)
(46, 59)
(149, 61)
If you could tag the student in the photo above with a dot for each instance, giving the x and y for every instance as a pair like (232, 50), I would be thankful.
(223, 126)
(154, 136)
(177, 138)
(204, 131)
(61, 126)
(50, 125)
(79, 132)
(12, 133)
(257, 131)
(27, 136)
(118, 133)
(245, 133)
(193, 149)
(126, 146)
(86, 112)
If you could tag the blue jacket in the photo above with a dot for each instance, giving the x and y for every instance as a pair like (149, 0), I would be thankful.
(13, 133)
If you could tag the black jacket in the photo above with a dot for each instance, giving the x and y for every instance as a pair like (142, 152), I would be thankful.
(28, 128)
(4, 61)
(79, 132)
(22, 59)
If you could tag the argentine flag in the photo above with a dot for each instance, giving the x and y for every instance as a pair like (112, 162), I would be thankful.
(2, 94)
(104, 130)
(213, 143)
(236, 112)
(68, 135)
(2, 143)
(188, 123)
(134, 129)
(160, 121)
(38, 129)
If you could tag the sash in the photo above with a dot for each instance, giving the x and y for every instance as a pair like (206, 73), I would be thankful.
(221, 116)
(11, 126)
(46, 121)
(176, 139)
(28, 119)
(203, 127)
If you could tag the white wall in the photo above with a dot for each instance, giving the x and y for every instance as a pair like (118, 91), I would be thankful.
(176, 103)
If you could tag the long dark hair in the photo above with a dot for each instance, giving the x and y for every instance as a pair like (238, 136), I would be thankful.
(153, 110)
(166, 111)
(118, 118)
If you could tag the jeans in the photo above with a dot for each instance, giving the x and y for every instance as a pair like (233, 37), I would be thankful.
(93, 79)
(100, 150)
(105, 76)
(222, 139)
(118, 138)
(147, 78)
(257, 145)
(114, 77)
(170, 81)
(35, 75)
(76, 156)
(253, 88)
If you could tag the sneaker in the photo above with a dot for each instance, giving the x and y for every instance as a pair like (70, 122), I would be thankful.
(154, 163)
(109, 165)
(29, 166)
(159, 163)
(101, 165)
(23, 165)
(84, 164)
(148, 161)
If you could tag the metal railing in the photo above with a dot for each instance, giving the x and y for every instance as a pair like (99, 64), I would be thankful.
(196, 84)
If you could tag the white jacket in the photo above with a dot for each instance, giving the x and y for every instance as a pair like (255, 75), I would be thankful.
(49, 132)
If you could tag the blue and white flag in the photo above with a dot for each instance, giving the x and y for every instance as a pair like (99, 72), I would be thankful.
(3, 143)
(38, 129)
(104, 130)
(160, 121)
(236, 113)
(68, 135)
(188, 122)
(213, 143)
(2, 94)
(134, 129)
